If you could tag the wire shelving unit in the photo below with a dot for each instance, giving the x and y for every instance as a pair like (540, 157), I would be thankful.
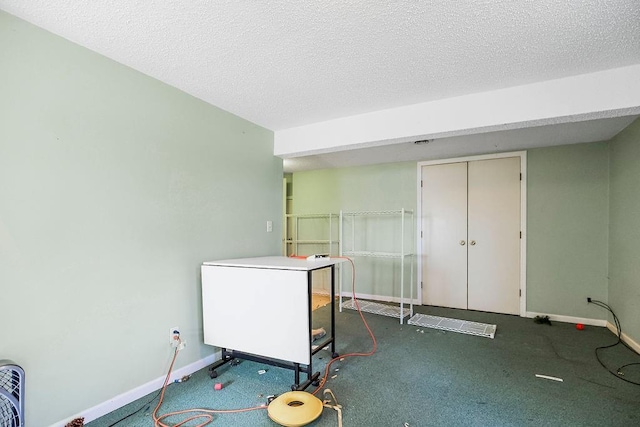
(354, 239)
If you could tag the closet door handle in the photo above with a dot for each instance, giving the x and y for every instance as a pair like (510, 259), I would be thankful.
(462, 242)
(472, 243)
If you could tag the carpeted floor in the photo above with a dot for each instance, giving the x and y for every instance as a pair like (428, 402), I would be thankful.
(426, 377)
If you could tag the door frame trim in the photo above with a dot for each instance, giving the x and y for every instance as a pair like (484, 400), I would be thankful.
(523, 216)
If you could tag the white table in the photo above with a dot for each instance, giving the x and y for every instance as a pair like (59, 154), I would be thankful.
(260, 309)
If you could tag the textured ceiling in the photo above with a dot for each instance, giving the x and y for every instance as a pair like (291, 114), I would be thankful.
(288, 63)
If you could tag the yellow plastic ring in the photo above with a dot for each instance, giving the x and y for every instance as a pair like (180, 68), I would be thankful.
(295, 409)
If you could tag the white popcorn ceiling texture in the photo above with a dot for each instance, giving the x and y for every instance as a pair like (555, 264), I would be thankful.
(287, 63)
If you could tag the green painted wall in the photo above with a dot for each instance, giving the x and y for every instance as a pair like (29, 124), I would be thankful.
(567, 217)
(567, 220)
(114, 188)
(367, 188)
(624, 229)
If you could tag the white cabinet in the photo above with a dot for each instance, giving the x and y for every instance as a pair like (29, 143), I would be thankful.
(382, 236)
(471, 235)
(272, 324)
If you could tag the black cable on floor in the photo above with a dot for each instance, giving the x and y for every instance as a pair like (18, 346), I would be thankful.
(146, 405)
(617, 373)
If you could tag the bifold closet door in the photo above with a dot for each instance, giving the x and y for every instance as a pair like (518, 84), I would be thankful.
(471, 235)
(494, 235)
(444, 241)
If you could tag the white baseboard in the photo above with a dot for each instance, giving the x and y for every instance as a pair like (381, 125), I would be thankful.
(129, 396)
(626, 338)
(569, 319)
(379, 298)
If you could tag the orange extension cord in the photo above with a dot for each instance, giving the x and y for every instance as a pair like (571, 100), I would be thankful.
(207, 414)
(203, 413)
(373, 338)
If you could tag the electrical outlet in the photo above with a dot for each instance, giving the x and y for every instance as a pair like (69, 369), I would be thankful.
(174, 336)
(269, 226)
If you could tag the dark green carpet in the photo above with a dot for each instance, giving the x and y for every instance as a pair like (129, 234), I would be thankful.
(425, 377)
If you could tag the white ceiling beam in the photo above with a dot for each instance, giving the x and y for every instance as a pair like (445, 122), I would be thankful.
(606, 94)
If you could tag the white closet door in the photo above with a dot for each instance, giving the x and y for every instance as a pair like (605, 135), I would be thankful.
(494, 235)
(444, 226)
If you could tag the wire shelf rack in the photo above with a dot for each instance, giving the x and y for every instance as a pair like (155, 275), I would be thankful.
(453, 325)
(377, 308)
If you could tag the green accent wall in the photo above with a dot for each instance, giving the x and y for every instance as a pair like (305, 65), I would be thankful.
(567, 237)
(567, 220)
(114, 188)
(367, 188)
(624, 229)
